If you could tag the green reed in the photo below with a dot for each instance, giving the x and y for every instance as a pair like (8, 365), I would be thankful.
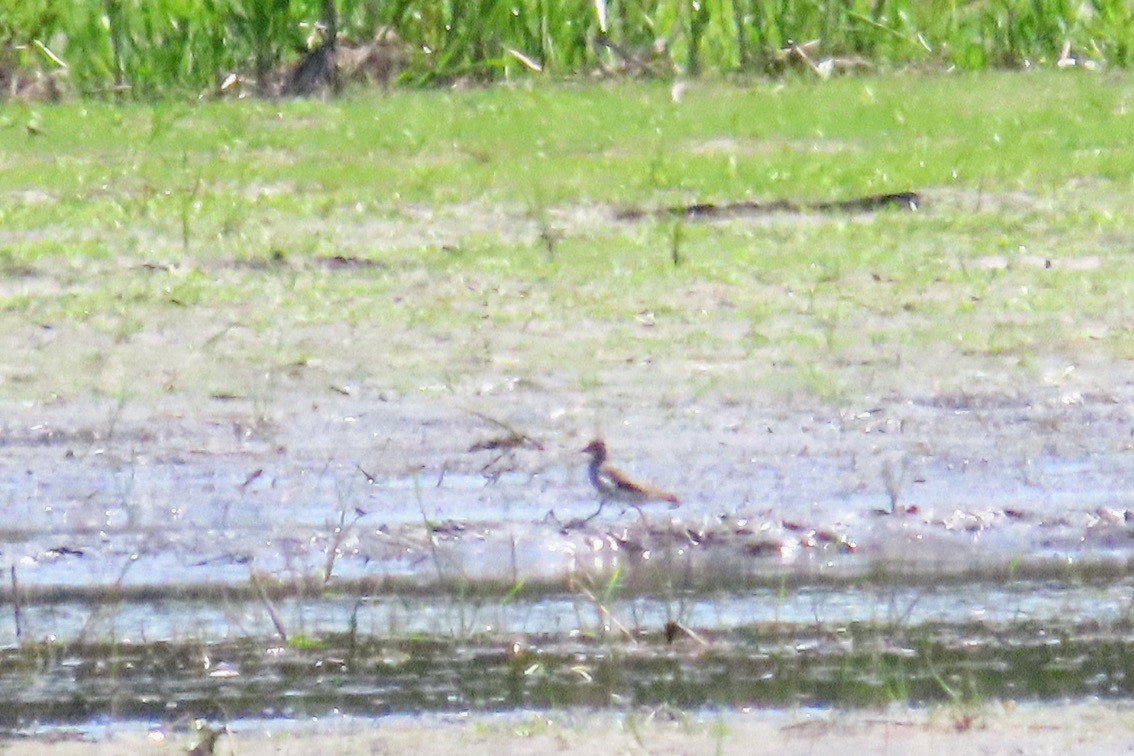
(143, 49)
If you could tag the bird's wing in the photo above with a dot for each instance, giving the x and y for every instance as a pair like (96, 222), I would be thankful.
(618, 481)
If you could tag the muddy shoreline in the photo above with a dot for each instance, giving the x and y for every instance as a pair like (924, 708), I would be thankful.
(1098, 728)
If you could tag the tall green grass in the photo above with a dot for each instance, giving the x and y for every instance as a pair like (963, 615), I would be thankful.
(148, 48)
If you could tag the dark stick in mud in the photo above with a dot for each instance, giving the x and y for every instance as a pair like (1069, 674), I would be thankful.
(17, 607)
(271, 609)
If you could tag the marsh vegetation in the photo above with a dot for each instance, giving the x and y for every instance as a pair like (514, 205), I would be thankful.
(265, 356)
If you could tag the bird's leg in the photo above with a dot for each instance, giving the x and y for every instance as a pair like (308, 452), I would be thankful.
(601, 504)
(578, 522)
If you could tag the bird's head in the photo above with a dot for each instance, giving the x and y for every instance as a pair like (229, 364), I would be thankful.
(596, 449)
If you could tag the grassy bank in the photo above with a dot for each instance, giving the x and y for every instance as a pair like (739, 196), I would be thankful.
(130, 220)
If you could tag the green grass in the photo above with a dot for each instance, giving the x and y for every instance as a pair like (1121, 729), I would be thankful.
(131, 226)
(573, 143)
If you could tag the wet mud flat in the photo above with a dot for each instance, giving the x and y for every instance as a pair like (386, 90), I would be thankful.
(414, 492)
(175, 565)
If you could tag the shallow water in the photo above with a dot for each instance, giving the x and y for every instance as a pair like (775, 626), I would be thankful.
(1101, 601)
(409, 573)
(374, 657)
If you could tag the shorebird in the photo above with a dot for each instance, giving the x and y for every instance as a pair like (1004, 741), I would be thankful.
(614, 485)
